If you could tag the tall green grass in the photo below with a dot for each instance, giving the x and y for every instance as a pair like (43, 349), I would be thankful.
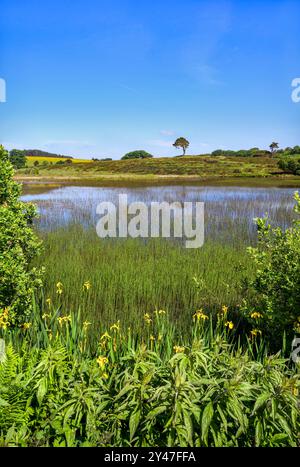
(130, 277)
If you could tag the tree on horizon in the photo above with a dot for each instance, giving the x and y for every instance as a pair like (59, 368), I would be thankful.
(273, 147)
(182, 143)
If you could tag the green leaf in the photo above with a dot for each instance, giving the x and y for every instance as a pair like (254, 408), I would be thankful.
(134, 422)
(124, 391)
(258, 433)
(188, 426)
(260, 402)
(155, 412)
(42, 390)
(207, 417)
(279, 438)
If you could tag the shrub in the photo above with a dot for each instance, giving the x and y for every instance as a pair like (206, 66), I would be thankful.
(18, 246)
(290, 165)
(148, 390)
(137, 155)
(17, 158)
(275, 307)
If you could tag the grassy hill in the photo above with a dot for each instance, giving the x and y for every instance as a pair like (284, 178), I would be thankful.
(195, 168)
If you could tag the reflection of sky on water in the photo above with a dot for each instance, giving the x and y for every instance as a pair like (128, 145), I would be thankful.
(229, 211)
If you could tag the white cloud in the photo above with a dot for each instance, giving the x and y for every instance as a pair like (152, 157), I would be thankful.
(167, 132)
(161, 143)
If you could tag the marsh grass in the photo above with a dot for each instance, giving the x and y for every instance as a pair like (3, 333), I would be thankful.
(131, 277)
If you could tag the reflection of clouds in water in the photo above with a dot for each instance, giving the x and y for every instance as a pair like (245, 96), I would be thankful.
(229, 211)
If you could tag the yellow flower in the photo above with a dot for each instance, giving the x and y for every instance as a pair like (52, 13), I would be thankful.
(229, 325)
(45, 316)
(105, 336)
(5, 313)
(297, 325)
(199, 315)
(178, 349)
(256, 315)
(152, 338)
(160, 336)
(3, 324)
(255, 332)
(147, 318)
(86, 324)
(60, 320)
(4, 319)
(59, 288)
(102, 361)
(224, 309)
(160, 312)
(26, 325)
(116, 326)
(64, 319)
(48, 301)
(87, 285)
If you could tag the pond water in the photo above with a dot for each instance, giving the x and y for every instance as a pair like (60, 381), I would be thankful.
(229, 211)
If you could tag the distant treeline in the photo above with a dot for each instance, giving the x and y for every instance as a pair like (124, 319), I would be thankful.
(256, 152)
(39, 153)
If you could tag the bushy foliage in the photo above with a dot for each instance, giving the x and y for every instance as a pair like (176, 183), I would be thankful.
(275, 305)
(18, 246)
(253, 152)
(64, 162)
(290, 151)
(137, 155)
(290, 165)
(17, 158)
(182, 143)
(148, 391)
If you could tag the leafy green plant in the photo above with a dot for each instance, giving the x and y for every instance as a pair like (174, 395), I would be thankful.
(17, 158)
(148, 391)
(290, 165)
(137, 155)
(18, 246)
(273, 308)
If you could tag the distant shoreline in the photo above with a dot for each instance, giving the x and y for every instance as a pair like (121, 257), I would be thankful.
(226, 171)
(146, 180)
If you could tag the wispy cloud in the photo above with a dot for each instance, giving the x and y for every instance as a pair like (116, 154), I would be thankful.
(208, 74)
(161, 143)
(200, 53)
(167, 132)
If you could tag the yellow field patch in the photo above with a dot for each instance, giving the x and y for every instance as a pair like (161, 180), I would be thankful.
(31, 160)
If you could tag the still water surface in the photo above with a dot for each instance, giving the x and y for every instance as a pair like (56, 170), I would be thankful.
(229, 211)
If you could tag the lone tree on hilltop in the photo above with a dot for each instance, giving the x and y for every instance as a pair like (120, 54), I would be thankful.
(182, 143)
(273, 147)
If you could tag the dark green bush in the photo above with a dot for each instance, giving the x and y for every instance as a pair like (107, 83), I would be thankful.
(17, 158)
(290, 165)
(137, 155)
(275, 305)
(18, 246)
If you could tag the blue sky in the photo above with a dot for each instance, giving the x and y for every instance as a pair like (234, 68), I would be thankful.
(103, 77)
